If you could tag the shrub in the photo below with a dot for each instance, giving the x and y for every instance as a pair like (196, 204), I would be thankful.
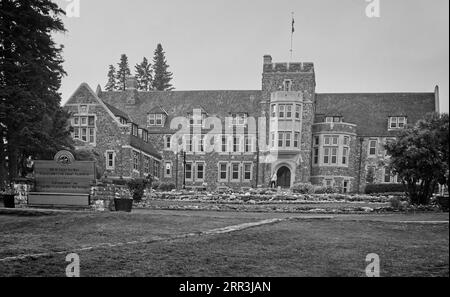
(395, 203)
(302, 188)
(325, 190)
(137, 187)
(384, 188)
(166, 187)
(155, 185)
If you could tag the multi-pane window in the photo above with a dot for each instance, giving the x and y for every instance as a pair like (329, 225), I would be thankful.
(288, 111)
(296, 139)
(167, 142)
(248, 144)
(272, 139)
(223, 171)
(145, 135)
(335, 119)
(344, 156)
(330, 149)
(110, 160)
(287, 85)
(156, 119)
(235, 171)
(273, 111)
(168, 169)
(134, 130)
(188, 171)
(236, 142)
(200, 171)
(281, 111)
(188, 143)
(239, 119)
(346, 186)
(156, 166)
(84, 128)
(147, 164)
(297, 112)
(373, 147)
(197, 119)
(280, 139)
(389, 177)
(288, 139)
(200, 143)
(224, 143)
(247, 171)
(328, 182)
(135, 160)
(397, 122)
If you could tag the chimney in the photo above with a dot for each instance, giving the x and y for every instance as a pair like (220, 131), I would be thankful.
(131, 83)
(267, 59)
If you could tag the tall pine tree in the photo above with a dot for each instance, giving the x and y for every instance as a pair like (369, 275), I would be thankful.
(31, 116)
(162, 77)
(123, 72)
(111, 85)
(144, 75)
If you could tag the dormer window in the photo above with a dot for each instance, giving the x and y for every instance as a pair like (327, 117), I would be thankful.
(145, 135)
(123, 121)
(239, 119)
(156, 119)
(397, 123)
(134, 130)
(287, 85)
(333, 119)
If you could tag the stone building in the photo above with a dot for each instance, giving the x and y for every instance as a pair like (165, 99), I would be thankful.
(240, 139)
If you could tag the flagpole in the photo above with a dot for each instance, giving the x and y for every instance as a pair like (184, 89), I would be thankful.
(292, 35)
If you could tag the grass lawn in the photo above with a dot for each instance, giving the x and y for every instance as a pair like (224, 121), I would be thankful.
(306, 247)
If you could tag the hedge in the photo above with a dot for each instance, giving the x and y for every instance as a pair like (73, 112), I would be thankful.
(384, 188)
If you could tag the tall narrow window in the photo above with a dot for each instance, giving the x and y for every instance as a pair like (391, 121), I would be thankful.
(288, 139)
(288, 111)
(224, 144)
(344, 155)
(281, 111)
(223, 171)
(280, 139)
(168, 169)
(296, 140)
(236, 142)
(373, 147)
(248, 144)
(188, 143)
(274, 111)
(110, 160)
(287, 85)
(272, 138)
(168, 141)
(200, 171)
(235, 171)
(247, 171)
(297, 112)
(188, 171)
(135, 160)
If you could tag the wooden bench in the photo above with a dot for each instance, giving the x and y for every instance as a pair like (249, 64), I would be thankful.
(58, 199)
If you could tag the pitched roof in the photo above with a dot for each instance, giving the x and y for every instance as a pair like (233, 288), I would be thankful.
(146, 147)
(181, 103)
(117, 112)
(371, 111)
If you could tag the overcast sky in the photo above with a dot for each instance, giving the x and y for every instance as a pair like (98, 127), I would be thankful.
(219, 45)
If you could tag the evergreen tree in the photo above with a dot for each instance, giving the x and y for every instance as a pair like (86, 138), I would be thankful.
(162, 77)
(123, 72)
(31, 117)
(144, 75)
(111, 85)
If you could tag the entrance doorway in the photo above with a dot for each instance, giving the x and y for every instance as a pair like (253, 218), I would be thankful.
(284, 177)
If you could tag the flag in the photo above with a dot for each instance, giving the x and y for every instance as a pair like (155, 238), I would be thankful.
(293, 22)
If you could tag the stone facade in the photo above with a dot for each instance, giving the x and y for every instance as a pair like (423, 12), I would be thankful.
(285, 129)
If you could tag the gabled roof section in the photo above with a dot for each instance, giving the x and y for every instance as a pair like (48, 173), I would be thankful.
(117, 112)
(182, 103)
(158, 110)
(146, 147)
(371, 111)
(85, 95)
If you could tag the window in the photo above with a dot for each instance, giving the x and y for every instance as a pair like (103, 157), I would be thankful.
(334, 155)
(297, 112)
(188, 171)
(134, 130)
(145, 135)
(370, 177)
(328, 182)
(288, 111)
(334, 119)
(330, 156)
(110, 160)
(281, 109)
(84, 128)
(373, 147)
(346, 140)
(296, 140)
(247, 171)
(135, 160)
(287, 85)
(188, 143)
(236, 142)
(288, 139)
(155, 119)
(389, 177)
(156, 166)
(200, 171)
(397, 122)
(200, 140)
(235, 171)
(168, 169)
(316, 155)
(346, 186)
(316, 140)
(239, 119)
(197, 118)
(344, 155)
(248, 144)
(274, 111)
(272, 137)
(224, 144)
(280, 139)
(167, 142)
(146, 164)
(123, 121)
(223, 171)
(83, 109)
(331, 140)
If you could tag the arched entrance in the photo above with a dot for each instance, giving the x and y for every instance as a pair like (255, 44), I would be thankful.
(284, 177)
